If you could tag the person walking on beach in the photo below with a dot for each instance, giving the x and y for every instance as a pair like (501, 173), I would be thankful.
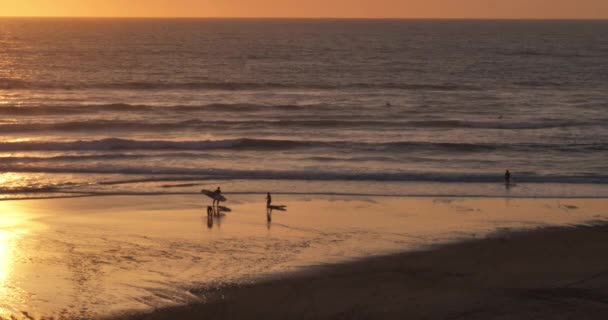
(268, 200)
(507, 177)
(218, 192)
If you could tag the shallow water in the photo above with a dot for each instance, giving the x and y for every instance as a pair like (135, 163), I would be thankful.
(83, 258)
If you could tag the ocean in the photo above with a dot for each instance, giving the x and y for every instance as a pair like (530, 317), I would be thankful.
(374, 107)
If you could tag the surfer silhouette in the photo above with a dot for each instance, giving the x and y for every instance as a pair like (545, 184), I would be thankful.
(218, 192)
(507, 177)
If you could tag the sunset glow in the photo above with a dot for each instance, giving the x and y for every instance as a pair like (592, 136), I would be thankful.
(314, 159)
(542, 9)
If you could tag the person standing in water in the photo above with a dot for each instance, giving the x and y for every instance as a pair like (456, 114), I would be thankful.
(507, 177)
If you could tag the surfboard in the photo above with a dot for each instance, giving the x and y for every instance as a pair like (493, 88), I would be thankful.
(279, 207)
(213, 195)
(224, 209)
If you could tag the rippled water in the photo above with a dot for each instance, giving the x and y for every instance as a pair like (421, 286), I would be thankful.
(88, 103)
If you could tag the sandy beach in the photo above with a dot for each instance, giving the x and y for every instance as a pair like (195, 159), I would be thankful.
(327, 256)
(550, 273)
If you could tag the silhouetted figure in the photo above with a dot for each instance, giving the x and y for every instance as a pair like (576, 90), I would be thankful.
(507, 177)
(218, 192)
(268, 199)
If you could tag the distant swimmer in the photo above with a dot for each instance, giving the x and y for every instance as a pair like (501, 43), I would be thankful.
(507, 177)
(388, 104)
(268, 200)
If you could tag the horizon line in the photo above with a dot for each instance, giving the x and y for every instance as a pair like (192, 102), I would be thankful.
(307, 18)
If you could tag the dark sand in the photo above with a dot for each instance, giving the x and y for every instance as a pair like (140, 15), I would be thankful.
(553, 273)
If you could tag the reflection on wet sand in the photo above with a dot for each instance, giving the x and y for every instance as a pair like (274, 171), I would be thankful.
(101, 255)
(268, 219)
(6, 270)
(214, 221)
(14, 227)
(270, 208)
(215, 215)
(6, 256)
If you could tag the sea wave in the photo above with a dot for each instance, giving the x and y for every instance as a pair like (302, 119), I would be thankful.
(35, 110)
(103, 156)
(155, 173)
(118, 125)
(17, 84)
(29, 189)
(272, 144)
(97, 157)
(541, 53)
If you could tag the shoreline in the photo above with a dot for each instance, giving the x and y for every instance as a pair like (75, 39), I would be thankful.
(75, 195)
(521, 274)
(176, 186)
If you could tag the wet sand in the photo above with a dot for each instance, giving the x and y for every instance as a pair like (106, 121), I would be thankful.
(549, 273)
(98, 257)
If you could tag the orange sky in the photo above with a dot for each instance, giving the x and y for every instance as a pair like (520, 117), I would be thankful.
(594, 9)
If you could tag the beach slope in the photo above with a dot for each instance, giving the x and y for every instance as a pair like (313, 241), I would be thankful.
(549, 273)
